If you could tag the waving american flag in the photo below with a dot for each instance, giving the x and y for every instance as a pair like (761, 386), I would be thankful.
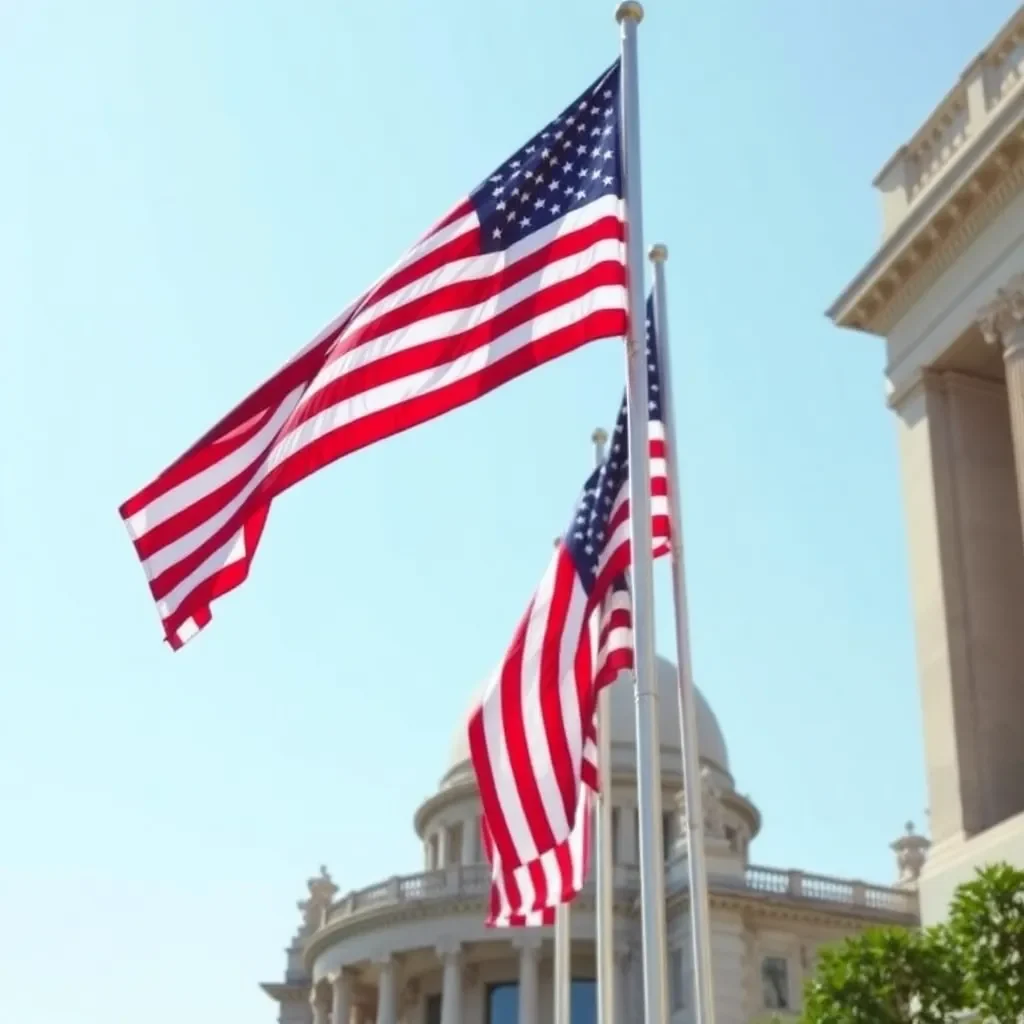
(532, 739)
(530, 266)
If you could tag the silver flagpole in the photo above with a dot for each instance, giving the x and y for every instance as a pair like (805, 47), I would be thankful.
(562, 981)
(699, 913)
(648, 754)
(605, 909)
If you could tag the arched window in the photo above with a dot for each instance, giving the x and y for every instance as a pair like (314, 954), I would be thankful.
(503, 1002)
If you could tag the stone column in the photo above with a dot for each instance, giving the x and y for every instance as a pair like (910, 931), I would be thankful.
(623, 992)
(451, 984)
(387, 991)
(529, 954)
(470, 830)
(341, 998)
(1002, 323)
(318, 1005)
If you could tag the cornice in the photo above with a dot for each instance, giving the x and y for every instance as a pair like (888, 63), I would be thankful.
(938, 230)
(286, 991)
(773, 906)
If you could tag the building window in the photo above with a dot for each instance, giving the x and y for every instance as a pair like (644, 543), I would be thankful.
(433, 1015)
(668, 835)
(616, 849)
(677, 979)
(432, 854)
(503, 1002)
(775, 983)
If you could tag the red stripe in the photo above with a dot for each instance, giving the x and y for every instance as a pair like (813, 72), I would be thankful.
(549, 684)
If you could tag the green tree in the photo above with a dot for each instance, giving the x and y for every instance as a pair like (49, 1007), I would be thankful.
(986, 931)
(974, 962)
(886, 976)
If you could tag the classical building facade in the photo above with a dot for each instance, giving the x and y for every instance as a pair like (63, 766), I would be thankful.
(414, 949)
(946, 292)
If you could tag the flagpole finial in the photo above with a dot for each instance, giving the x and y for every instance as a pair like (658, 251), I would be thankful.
(629, 10)
(599, 436)
(657, 253)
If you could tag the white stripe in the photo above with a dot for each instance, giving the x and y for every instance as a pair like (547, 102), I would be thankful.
(392, 393)
(449, 323)
(197, 487)
(474, 268)
(232, 550)
(537, 744)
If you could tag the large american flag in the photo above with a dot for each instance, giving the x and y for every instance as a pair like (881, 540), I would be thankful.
(533, 738)
(530, 266)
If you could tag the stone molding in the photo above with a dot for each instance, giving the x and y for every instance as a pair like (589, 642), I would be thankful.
(934, 236)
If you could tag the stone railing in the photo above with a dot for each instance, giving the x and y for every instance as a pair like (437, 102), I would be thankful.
(982, 91)
(473, 881)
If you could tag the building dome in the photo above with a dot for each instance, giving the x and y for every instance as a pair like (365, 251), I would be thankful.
(711, 742)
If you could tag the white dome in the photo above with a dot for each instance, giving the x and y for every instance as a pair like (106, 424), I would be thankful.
(710, 740)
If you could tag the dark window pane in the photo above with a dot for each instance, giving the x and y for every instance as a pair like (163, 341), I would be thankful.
(433, 1009)
(503, 1004)
(583, 1004)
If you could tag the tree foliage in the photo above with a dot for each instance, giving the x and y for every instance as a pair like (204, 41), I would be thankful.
(972, 963)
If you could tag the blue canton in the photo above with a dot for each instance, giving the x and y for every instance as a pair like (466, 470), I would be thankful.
(569, 164)
(587, 534)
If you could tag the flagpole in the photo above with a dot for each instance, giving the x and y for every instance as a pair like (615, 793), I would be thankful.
(562, 981)
(648, 754)
(699, 910)
(605, 895)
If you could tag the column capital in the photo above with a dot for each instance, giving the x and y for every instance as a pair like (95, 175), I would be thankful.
(342, 976)
(448, 948)
(1001, 319)
(528, 944)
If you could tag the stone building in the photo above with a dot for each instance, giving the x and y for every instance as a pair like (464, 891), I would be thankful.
(414, 949)
(946, 291)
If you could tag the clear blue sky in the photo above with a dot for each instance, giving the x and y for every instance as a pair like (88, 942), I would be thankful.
(188, 192)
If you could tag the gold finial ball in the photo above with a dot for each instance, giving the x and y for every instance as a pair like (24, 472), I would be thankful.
(658, 253)
(599, 436)
(629, 9)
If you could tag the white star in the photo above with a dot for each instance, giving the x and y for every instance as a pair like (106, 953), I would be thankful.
(607, 94)
(529, 174)
(582, 172)
(608, 154)
(496, 177)
(581, 194)
(595, 131)
(595, 174)
(554, 161)
(608, 111)
(608, 179)
(496, 232)
(567, 144)
(540, 179)
(559, 133)
(525, 222)
(501, 204)
(531, 149)
(515, 163)
(539, 204)
(553, 184)
(589, 549)
(607, 131)
(545, 135)
(583, 105)
(498, 190)
(581, 127)
(511, 215)
(569, 189)
(582, 150)
(525, 197)
(568, 167)
(555, 208)
(596, 151)
(545, 153)
(570, 120)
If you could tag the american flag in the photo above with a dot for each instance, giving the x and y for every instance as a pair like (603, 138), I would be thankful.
(530, 266)
(532, 738)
